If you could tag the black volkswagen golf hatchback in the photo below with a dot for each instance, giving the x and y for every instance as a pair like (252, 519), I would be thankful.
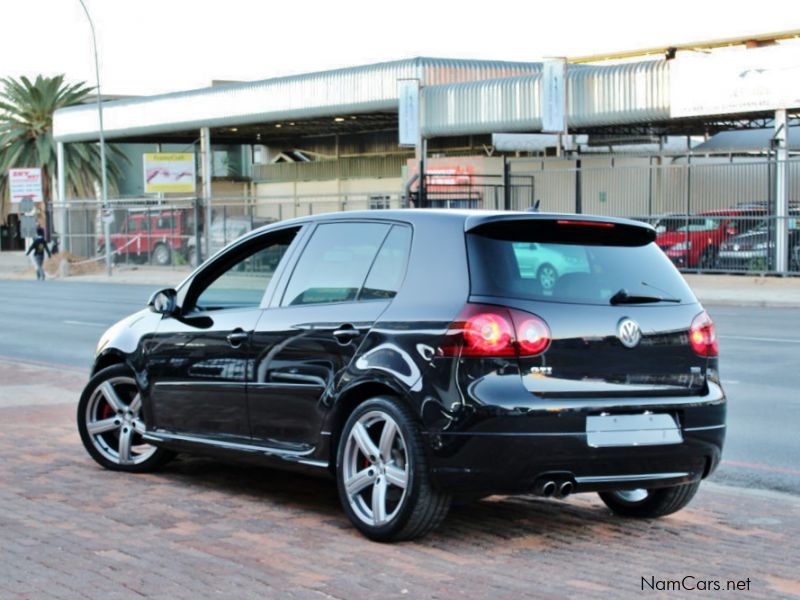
(421, 356)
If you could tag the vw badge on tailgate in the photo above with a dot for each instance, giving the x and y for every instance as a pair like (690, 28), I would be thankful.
(629, 332)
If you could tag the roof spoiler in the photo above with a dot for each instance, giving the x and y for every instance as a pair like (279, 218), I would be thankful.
(562, 229)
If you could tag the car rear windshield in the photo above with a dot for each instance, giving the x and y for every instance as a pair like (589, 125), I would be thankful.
(539, 265)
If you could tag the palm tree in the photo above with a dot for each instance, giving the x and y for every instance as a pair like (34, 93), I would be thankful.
(26, 137)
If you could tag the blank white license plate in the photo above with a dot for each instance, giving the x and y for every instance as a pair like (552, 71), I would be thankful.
(648, 429)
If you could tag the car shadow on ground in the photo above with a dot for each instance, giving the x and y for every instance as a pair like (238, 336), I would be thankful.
(526, 520)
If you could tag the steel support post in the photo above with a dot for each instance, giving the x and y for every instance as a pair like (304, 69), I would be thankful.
(781, 191)
(63, 215)
(205, 174)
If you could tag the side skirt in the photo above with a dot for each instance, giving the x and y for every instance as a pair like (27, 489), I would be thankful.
(299, 460)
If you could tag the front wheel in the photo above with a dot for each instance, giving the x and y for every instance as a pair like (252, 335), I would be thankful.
(650, 504)
(110, 423)
(382, 476)
(547, 276)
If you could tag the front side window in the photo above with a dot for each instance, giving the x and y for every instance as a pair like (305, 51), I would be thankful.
(240, 282)
(335, 263)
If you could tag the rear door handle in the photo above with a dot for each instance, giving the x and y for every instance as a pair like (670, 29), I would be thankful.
(237, 337)
(346, 333)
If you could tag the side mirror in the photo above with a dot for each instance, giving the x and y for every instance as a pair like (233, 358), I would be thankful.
(164, 302)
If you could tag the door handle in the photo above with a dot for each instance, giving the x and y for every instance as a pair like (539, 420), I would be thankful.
(346, 333)
(237, 337)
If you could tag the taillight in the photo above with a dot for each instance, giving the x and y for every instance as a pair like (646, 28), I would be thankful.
(703, 336)
(585, 223)
(533, 334)
(489, 334)
(485, 331)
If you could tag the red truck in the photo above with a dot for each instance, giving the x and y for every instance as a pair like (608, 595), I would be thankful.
(693, 241)
(150, 234)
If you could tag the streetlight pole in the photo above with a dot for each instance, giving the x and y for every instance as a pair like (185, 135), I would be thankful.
(104, 176)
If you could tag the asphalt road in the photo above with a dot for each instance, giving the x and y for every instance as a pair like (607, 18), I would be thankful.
(60, 323)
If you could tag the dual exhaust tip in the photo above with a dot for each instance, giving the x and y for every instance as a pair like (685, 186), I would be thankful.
(555, 488)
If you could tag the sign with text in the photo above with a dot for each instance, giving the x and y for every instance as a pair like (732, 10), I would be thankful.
(408, 112)
(735, 81)
(166, 172)
(444, 178)
(25, 184)
(554, 96)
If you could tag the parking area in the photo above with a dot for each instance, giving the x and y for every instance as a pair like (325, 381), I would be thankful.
(70, 529)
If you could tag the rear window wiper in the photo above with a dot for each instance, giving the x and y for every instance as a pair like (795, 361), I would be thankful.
(623, 297)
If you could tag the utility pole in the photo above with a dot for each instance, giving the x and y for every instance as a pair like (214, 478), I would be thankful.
(104, 174)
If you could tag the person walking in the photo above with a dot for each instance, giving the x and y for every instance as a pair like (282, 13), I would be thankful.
(39, 247)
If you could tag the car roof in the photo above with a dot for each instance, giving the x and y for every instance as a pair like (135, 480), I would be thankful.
(470, 218)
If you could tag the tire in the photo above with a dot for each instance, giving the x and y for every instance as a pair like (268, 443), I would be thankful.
(110, 426)
(398, 459)
(708, 259)
(162, 255)
(650, 504)
(547, 277)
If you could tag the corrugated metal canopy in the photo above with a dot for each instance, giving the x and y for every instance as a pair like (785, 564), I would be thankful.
(599, 96)
(355, 90)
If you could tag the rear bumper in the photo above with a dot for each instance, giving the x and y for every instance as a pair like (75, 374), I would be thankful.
(742, 260)
(507, 450)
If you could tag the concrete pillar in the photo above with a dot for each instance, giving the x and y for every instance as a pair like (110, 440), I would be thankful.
(781, 138)
(205, 175)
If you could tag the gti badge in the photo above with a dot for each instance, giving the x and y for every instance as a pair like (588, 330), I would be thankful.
(541, 370)
(629, 332)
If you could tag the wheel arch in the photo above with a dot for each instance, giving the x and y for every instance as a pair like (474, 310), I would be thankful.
(348, 400)
(107, 359)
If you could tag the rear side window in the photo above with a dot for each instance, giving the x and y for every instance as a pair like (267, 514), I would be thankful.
(335, 263)
(520, 266)
(387, 271)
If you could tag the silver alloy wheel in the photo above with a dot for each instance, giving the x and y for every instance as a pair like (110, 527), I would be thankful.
(547, 277)
(375, 475)
(632, 496)
(113, 422)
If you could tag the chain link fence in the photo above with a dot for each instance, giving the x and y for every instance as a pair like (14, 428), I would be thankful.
(718, 217)
(172, 232)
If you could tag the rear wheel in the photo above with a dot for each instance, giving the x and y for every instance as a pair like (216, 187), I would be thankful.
(382, 474)
(161, 254)
(111, 426)
(650, 504)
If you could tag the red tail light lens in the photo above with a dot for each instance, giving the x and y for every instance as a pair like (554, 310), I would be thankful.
(585, 223)
(486, 331)
(703, 336)
(488, 334)
(533, 334)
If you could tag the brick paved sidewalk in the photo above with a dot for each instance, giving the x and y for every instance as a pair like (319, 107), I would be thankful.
(200, 528)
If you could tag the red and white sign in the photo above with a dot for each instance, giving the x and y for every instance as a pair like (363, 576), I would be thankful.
(445, 177)
(25, 183)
